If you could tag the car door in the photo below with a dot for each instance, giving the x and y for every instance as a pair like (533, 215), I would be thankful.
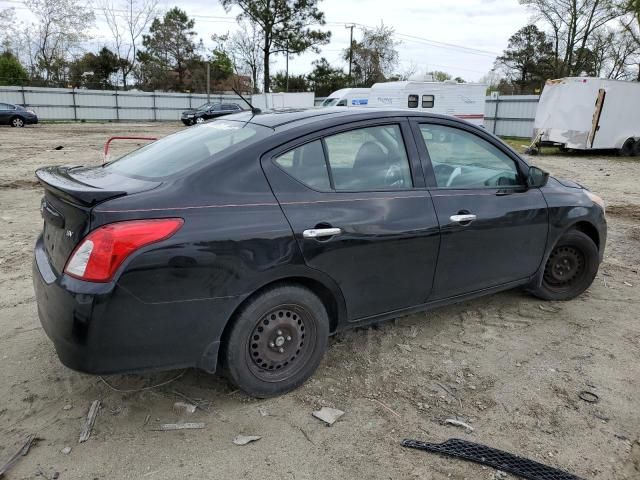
(493, 228)
(5, 113)
(355, 198)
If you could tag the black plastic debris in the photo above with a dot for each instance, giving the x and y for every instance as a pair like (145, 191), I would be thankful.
(492, 457)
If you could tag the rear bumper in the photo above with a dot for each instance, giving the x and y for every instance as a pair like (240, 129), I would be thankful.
(103, 329)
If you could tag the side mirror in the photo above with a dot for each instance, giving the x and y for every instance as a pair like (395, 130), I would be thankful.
(536, 177)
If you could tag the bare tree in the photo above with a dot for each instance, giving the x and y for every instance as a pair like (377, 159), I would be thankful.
(244, 48)
(127, 21)
(630, 22)
(573, 24)
(58, 28)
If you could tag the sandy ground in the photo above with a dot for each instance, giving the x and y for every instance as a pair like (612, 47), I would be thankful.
(509, 365)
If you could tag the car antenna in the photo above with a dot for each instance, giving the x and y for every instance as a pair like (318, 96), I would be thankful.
(254, 110)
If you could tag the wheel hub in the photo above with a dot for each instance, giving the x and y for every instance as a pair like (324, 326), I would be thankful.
(565, 264)
(277, 340)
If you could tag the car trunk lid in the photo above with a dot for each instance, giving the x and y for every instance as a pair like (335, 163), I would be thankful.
(70, 195)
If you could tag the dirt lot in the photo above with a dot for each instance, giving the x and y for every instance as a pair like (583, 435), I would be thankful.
(509, 365)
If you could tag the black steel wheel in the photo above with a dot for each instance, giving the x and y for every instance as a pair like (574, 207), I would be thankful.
(276, 341)
(570, 269)
(627, 148)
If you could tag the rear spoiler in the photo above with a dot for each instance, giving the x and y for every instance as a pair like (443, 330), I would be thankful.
(59, 181)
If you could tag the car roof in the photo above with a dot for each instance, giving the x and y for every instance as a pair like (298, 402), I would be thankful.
(291, 118)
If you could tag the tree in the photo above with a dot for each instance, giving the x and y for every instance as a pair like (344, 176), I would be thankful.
(528, 60)
(11, 70)
(245, 49)
(94, 71)
(630, 22)
(325, 79)
(296, 83)
(59, 26)
(439, 76)
(573, 24)
(169, 48)
(127, 21)
(285, 26)
(374, 57)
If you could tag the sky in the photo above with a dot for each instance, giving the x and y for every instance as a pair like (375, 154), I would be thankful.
(461, 37)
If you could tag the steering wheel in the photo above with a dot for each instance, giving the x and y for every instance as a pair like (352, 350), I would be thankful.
(456, 173)
(394, 177)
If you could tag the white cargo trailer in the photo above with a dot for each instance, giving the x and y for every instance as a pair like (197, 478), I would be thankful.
(583, 113)
(462, 100)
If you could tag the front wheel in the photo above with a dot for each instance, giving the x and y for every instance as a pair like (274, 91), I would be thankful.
(17, 122)
(277, 341)
(570, 268)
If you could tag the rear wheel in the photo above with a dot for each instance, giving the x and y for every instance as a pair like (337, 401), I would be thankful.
(17, 122)
(627, 148)
(636, 148)
(276, 341)
(570, 269)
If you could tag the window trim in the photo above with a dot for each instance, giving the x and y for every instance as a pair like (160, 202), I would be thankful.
(416, 169)
(409, 101)
(432, 101)
(427, 165)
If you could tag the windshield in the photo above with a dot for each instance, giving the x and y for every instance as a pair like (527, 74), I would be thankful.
(206, 106)
(176, 153)
(330, 102)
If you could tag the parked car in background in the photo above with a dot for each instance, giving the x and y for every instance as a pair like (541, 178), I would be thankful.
(16, 116)
(208, 111)
(245, 242)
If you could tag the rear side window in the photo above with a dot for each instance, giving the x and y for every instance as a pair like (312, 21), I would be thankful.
(372, 158)
(307, 165)
(428, 101)
(178, 152)
(413, 101)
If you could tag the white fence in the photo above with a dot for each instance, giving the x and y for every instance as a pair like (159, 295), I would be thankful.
(508, 115)
(113, 105)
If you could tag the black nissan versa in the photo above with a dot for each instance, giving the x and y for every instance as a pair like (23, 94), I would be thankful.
(245, 242)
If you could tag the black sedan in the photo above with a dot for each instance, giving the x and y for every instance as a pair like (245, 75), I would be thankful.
(16, 116)
(245, 242)
(208, 111)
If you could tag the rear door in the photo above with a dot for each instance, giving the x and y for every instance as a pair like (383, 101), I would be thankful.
(355, 198)
(494, 228)
(6, 111)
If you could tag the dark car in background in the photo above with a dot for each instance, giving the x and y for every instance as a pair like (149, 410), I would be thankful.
(208, 111)
(243, 243)
(16, 116)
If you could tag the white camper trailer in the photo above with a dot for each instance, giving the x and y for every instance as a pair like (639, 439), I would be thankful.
(590, 113)
(462, 100)
(347, 97)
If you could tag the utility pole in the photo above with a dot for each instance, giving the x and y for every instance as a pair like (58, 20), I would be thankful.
(350, 27)
(208, 81)
(287, 69)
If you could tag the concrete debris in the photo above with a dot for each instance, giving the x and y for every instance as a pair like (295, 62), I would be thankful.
(328, 415)
(244, 439)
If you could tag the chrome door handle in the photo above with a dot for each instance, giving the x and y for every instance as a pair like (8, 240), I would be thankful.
(469, 217)
(321, 232)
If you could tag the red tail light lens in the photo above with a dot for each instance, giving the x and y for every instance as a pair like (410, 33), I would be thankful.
(99, 255)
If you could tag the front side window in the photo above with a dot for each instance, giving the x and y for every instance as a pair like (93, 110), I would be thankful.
(307, 165)
(175, 153)
(372, 158)
(428, 101)
(413, 101)
(461, 159)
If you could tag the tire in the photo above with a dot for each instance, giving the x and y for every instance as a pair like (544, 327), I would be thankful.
(636, 148)
(276, 341)
(627, 148)
(17, 122)
(570, 268)
(199, 120)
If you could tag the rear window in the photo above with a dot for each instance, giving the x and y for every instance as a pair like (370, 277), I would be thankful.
(178, 152)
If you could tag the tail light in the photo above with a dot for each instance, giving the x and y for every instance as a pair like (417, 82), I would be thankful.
(99, 255)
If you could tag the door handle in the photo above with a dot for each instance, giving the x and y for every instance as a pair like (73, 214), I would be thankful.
(463, 218)
(321, 232)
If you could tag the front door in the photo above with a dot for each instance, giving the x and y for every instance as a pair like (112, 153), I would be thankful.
(356, 202)
(494, 228)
